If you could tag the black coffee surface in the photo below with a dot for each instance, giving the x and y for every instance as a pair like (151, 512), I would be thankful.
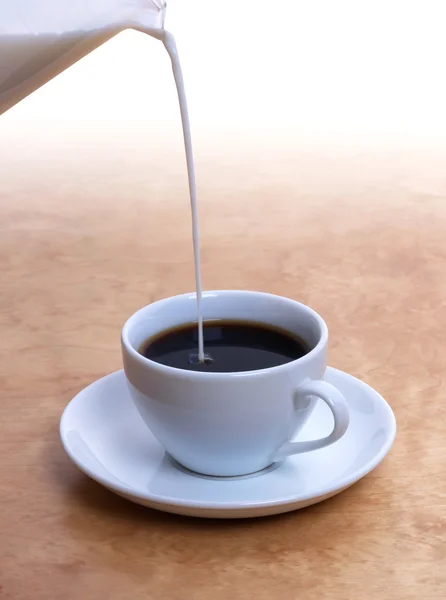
(232, 346)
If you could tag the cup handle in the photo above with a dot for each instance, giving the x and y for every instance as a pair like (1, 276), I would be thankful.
(338, 406)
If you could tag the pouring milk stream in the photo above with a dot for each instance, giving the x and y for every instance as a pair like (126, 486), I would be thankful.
(41, 38)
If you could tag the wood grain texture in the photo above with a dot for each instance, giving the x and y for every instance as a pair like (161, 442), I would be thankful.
(94, 224)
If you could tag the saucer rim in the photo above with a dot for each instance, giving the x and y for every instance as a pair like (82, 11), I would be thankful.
(341, 484)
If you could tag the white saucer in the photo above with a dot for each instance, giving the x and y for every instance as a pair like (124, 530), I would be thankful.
(105, 437)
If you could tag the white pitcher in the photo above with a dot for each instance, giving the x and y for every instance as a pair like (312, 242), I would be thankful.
(41, 38)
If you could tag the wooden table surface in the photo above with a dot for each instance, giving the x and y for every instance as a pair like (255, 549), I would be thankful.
(335, 196)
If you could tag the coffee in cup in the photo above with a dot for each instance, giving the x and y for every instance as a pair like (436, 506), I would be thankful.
(231, 347)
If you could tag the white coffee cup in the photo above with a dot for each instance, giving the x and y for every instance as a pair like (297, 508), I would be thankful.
(228, 424)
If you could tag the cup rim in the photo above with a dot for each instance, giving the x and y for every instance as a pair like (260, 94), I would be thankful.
(175, 372)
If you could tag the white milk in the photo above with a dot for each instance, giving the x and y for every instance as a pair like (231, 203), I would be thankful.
(27, 61)
(171, 47)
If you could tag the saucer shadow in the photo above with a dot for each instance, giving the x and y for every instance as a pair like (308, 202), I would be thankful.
(89, 497)
(92, 497)
(85, 497)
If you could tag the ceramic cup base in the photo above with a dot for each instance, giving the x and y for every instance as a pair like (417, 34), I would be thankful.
(272, 467)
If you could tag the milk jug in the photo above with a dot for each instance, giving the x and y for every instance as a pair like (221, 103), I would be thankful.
(41, 38)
